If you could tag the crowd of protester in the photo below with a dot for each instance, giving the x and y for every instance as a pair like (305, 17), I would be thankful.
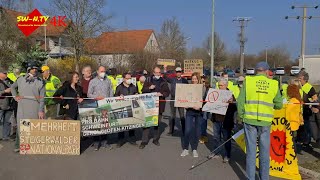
(17, 91)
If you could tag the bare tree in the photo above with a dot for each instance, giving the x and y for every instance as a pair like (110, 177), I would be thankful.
(86, 18)
(143, 60)
(172, 41)
(200, 53)
(220, 54)
(277, 56)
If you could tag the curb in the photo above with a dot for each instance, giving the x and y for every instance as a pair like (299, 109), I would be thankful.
(309, 172)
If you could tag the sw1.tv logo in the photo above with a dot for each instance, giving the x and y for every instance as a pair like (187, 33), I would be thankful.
(28, 24)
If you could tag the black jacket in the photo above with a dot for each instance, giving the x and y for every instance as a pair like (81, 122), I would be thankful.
(67, 91)
(173, 82)
(161, 86)
(5, 102)
(125, 91)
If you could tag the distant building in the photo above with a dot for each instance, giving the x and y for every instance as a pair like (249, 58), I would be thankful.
(115, 48)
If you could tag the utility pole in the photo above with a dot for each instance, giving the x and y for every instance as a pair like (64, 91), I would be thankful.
(304, 27)
(266, 54)
(212, 47)
(243, 22)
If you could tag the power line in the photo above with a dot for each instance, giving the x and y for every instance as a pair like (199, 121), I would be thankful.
(243, 21)
(304, 17)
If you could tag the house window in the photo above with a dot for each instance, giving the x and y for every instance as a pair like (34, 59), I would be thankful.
(151, 42)
(56, 43)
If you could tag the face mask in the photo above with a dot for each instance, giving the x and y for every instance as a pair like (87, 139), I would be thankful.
(128, 81)
(102, 75)
(157, 77)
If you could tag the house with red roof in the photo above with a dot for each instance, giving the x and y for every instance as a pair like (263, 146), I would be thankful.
(115, 48)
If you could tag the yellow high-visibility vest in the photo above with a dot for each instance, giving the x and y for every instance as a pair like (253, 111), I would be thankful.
(140, 86)
(13, 78)
(236, 91)
(260, 92)
(50, 89)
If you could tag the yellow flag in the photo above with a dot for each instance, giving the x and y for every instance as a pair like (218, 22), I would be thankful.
(283, 159)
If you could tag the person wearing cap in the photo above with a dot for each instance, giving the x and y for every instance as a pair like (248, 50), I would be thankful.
(174, 81)
(31, 104)
(52, 85)
(258, 98)
(6, 105)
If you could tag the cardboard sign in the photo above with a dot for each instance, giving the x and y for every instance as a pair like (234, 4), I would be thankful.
(188, 95)
(49, 137)
(193, 65)
(113, 115)
(217, 101)
(168, 62)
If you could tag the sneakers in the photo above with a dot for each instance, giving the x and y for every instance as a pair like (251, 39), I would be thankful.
(184, 153)
(203, 139)
(16, 150)
(226, 160)
(195, 153)
(156, 142)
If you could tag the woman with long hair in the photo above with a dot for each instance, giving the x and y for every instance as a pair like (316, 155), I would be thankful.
(193, 120)
(294, 111)
(69, 107)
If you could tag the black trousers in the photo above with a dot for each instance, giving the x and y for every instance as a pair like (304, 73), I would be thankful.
(121, 134)
(156, 135)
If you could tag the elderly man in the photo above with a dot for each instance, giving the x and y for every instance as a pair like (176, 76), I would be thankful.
(52, 85)
(223, 124)
(100, 87)
(86, 78)
(155, 84)
(30, 106)
(309, 95)
(258, 98)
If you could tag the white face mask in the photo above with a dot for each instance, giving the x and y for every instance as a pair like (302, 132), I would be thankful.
(157, 77)
(102, 75)
(129, 81)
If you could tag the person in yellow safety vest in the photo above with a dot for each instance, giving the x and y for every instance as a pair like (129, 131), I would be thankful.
(258, 98)
(140, 84)
(309, 96)
(52, 85)
(285, 88)
(13, 76)
(236, 88)
(230, 83)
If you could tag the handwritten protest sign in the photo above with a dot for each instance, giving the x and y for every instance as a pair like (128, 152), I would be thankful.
(112, 115)
(49, 137)
(188, 95)
(217, 101)
(120, 80)
(193, 65)
(168, 62)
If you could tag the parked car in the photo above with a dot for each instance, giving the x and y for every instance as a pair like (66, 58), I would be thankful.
(294, 70)
(250, 71)
(280, 71)
(230, 73)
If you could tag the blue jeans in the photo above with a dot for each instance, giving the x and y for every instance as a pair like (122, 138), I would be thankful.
(193, 120)
(5, 116)
(220, 135)
(204, 123)
(251, 135)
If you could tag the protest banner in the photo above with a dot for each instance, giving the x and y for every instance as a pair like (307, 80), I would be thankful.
(188, 95)
(120, 80)
(112, 115)
(49, 137)
(217, 101)
(193, 65)
(168, 62)
(283, 159)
